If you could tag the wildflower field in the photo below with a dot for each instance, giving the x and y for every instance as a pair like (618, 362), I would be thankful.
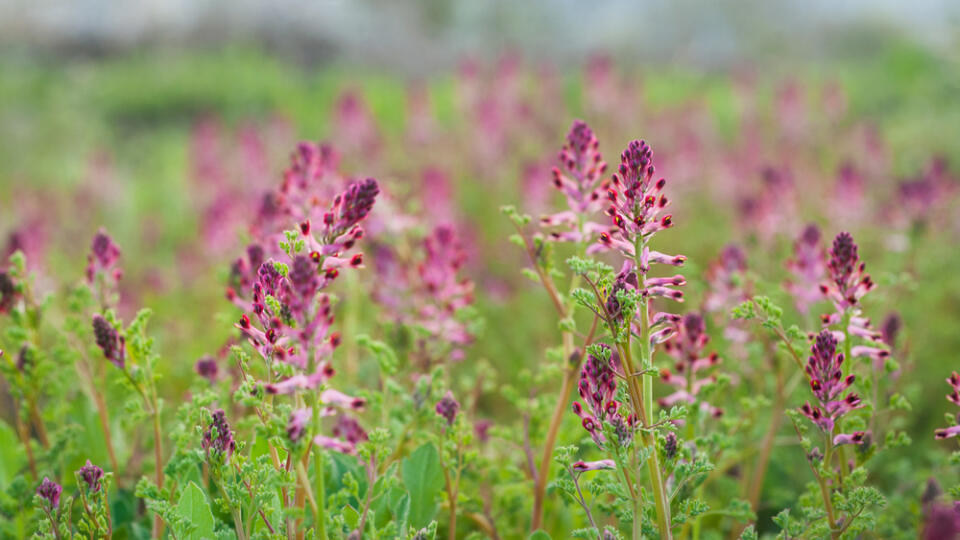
(244, 299)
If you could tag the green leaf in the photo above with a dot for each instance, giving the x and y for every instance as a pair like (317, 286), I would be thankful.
(539, 535)
(193, 506)
(423, 478)
(11, 454)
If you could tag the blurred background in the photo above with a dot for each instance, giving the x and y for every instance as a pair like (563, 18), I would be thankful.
(166, 121)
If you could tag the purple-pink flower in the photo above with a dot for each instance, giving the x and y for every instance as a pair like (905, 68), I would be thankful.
(50, 491)
(848, 280)
(580, 178)
(807, 268)
(686, 348)
(603, 464)
(207, 368)
(448, 407)
(218, 438)
(827, 382)
(91, 474)
(110, 341)
(953, 397)
(103, 257)
(598, 389)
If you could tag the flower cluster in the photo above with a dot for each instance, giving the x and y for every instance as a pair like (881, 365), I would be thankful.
(635, 204)
(8, 292)
(848, 283)
(579, 178)
(446, 291)
(113, 345)
(824, 368)
(953, 397)
(448, 407)
(288, 318)
(807, 267)
(103, 257)
(50, 491)
(91, 475)
(218, 438)
(598, 389)
(687, 349)
(848, 280)
(725, 278)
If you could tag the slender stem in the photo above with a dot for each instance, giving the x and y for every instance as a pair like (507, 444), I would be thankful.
(25, 438)
(38, 424)
(305, 484)
(583, 502)
(53, 523)
(158, 458)
(559, 410)
(105, 425)
(646, 356)
(321, 524)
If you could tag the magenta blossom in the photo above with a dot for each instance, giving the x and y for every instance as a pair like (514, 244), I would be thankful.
(953, 397)
(50, 491)
(579, 178)
(687, 349)
(598, 389)
(91, 474)
(448, 407)
(218, 438)
(603, 464)
(848, 280)
(848, 283)
(828, 383)
(207, 368)
(110, 341)
(807, 267)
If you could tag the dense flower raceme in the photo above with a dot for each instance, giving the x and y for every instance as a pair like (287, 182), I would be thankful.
(847, 284)
(827, 382)
(50, 491)
(635, 204)
(426, 290)
(103, 258)
(580, 178)
(110, 341)
(687, 349)
(726, 280)
(808, 268)
(598, 389)
(448, 407)
(288, 318)
(218, 438)
(91, 475)
(953, 397)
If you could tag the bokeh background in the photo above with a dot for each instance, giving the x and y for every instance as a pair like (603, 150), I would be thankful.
(166, 121)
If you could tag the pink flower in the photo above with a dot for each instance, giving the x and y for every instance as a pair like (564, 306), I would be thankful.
(598, 389)
(827, 383)
(50, 491)
(603, 464)
(207, 368)
(687, 348)
(807, 267)
(110, 341)
(952, 397)
(848, 280)
(297, 425)
(91, 474)
(579, 178)
(448, 407)
(218, 438)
